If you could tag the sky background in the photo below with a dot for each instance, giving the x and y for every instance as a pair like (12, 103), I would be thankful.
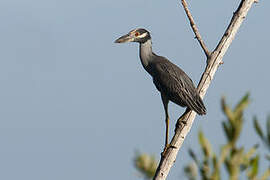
(74, 105)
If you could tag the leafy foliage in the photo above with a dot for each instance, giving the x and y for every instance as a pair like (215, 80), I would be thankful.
(237, 161)
(264, 137)
(146, 164)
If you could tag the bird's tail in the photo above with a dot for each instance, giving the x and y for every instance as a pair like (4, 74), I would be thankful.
(201, 110)
(196, 104)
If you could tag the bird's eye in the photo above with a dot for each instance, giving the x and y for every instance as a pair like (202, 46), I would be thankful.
(137, 34)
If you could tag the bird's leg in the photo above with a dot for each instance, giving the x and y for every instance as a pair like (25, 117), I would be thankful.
(167, 132)
(180, 119)
(165, 104)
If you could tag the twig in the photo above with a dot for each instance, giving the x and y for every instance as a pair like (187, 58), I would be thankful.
(185, 122)
(195, 29)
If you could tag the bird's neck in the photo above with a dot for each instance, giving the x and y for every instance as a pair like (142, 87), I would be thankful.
(146, 53)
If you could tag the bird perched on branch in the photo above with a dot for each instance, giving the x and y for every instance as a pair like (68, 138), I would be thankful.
(172, 82)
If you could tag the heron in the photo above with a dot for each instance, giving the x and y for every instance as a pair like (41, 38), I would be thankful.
(172, 82)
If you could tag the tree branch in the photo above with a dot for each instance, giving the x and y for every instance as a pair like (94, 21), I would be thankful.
(184, 123)
(195, 29)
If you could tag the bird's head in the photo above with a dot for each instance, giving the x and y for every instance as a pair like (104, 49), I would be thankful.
(136, 35)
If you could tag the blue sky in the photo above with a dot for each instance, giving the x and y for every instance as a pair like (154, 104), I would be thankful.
(74, 105)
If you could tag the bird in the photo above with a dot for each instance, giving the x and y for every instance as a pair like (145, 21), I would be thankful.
(172, 82)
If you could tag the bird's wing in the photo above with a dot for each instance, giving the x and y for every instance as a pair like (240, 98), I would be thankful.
(176, 84)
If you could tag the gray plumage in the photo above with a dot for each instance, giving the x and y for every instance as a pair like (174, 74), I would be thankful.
(172, 82)
(175, 84)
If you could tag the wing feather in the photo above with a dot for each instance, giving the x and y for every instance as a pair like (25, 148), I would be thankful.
(176, 84)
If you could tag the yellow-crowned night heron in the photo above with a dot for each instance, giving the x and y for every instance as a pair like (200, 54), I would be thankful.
(172, 82)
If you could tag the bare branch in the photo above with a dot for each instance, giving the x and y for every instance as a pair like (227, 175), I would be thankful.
(195, 29)
(184, 123)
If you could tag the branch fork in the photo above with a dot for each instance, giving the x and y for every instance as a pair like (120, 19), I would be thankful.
(214, 59)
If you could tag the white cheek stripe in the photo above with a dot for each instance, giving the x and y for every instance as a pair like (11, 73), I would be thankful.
(142, 35)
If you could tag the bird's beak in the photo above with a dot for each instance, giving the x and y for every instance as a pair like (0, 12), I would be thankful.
(125, 38)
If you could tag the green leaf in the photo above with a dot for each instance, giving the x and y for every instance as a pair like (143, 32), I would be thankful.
(267, 157)
(251, 152)
(227, 130)
(216, 172)
(237, 129)
(193, 156)
(238, 156)
(146, 164)
(191, 171)
(224, 152)
(254, 167)
(242, 105)
(258, 127)
(226, 109)
(206, 146)
(228, 166)
(268, 130)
